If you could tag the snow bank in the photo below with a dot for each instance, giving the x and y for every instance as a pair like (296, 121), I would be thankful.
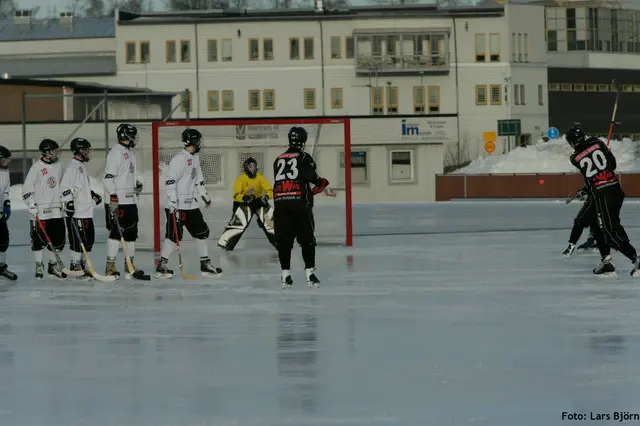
(550, 157)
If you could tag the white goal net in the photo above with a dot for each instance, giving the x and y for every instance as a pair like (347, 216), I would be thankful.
(226, 145)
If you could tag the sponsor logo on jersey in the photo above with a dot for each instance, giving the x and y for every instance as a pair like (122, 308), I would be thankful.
(132, 168)
(126, 155)
(52, 182)
(193, 173)
(81, 169)
(189, 162)
(586, 152)
(289, 155)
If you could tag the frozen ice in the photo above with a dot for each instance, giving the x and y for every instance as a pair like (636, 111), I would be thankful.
(457, 313)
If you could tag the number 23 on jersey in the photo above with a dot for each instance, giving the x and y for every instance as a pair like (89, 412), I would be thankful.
(287, 169)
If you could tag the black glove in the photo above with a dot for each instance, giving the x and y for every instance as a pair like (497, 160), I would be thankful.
(69, 208)
(248, 199)
(265, 200)
(96, 198)
(138, 188)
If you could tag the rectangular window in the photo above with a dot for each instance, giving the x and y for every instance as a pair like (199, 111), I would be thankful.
(434, 99)
(496, 94)
(523, 97)
(170, 51)
(480, 48)
(514, 48)
(554, 87)
(526, 47)
(516, 94)
(591, 88)
(212, 50)
(377, 101)
(308, 48)
(130, 52)
(213, 102)
(254, 49)
(336, 44)
(227, 50)
(267, 48)
(227, 100)
(401, 166)
(520, 50)
(392, 100)
(627, 88)
(254, 100)
(481, 95)
(358, 166)
(294, 48)
(336, 98)
(540, 94)
(269, 96)
(309, 98)
(566, 87)
(603, 88)
(185, 51)
(578, 87)
(349, 47)
(418, 99)
(145, 52)
(494, 47)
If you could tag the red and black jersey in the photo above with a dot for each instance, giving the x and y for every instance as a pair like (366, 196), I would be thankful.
(597, 165)
(294, 171)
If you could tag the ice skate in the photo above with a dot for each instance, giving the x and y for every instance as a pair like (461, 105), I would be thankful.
(39, 270)
(162, 271)
(110, 270)
(589, 245)
(138, 274)
(5, 273)
(635, 272)
(55, 272)
(78, 267)
(312, 280)
(207, 269)
(285, 278)
(569, 250)
(87, 274)
(606, 268)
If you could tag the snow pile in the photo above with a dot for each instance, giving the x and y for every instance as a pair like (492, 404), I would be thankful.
(18, 204)
(550, 157)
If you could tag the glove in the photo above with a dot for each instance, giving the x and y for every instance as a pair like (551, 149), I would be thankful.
(265, 200)
(96, 198)
(33, 212)
(172, 206)
(248, 199)
(69, 208)
(207, 200)
(6, 209)
(320, 186)
(582, 194)
(113, 203)
(138, 188)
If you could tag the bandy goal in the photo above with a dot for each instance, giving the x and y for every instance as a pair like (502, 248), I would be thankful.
(226, 145)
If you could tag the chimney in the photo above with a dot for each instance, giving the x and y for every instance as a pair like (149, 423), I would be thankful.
(22, 17)
(66, 18)
(319, 5)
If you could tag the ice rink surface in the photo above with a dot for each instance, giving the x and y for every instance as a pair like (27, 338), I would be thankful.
(461, 313)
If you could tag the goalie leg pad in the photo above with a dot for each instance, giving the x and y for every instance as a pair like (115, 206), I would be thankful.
(264, 216)
(237, 225)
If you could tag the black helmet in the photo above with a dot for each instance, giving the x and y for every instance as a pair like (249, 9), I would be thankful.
(5, 154)
(127, 133)
(47, 147)
(246, 164)
(81, 147)
(297, 137)
(192, 137)
(575, 136)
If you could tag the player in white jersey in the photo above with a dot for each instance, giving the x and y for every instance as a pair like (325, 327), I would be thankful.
(5, 201)
(123, 188)
(184, 184)
(78, 201)
(41, 193)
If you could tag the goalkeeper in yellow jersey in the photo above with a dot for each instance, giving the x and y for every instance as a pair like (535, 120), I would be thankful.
(251, 195)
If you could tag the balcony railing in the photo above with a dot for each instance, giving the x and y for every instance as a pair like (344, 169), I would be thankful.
(396, 63)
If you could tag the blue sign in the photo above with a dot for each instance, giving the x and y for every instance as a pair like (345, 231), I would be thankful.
(553, 133)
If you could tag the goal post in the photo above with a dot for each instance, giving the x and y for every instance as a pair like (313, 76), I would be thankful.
(226, 145)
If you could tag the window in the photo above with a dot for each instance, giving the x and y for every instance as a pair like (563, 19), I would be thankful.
(566, 87)
(377, 101)
(578, 87)
(523, 97)
(496, 94)
(227, 100)
(494, 47)
(552, 40)
(269, 96)
(213, 102)
(418, 99)
(627, 88)
(267, 48)
(434, 99)
(170, 51)
(392, 100)
(309, 98)
(514, 48)
(254, 49)
(130, 52)
(554, 87)
(540, 94)
(336, 44)
(480, 48)
(401, 166)
(294, 48)
(227, 50)
(349, 47)
(520, 47)
(603, 88)
(254, 100)
(336, 98)
(145, 52)
(481, 95)
(186, 101)
(185, 51)
(212, 50)
(358, 167)
(308, 48)
(592, 88)
(516, 94)
(526, 47)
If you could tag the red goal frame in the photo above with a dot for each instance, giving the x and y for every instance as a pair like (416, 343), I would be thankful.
(156, 125)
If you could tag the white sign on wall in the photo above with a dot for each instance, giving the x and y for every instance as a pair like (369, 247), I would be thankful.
(426, 129)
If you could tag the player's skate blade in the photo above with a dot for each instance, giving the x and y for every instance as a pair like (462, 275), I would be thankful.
(606, 268)
(208, 270)
(569, 250)
(162, 271)
(286, 280)
(312, 280)
(6, 274)
(56, 272)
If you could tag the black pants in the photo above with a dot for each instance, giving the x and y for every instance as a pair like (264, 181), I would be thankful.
(587, 217)
(191, 219)
(4, 235)
(293, 220)
(608, 208)
(128, 220)
(54, 228)
(85, 229)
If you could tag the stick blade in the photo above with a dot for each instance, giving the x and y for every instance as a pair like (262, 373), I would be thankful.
(71, 273)
(186, 275)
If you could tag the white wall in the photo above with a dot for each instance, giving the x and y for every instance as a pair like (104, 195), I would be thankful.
(66, 47)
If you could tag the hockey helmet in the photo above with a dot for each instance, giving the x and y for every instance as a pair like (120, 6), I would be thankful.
(248, 169)
(575, 136)
(192, 137)
(297, 137)
(50, 150)
(5, 157)
(127, 133)
(81, 147)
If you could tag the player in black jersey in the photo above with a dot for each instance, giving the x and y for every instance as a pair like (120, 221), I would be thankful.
(597, 165)
(294, 172)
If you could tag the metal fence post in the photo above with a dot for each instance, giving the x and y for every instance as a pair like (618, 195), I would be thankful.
(105, 115)
(24, 137)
